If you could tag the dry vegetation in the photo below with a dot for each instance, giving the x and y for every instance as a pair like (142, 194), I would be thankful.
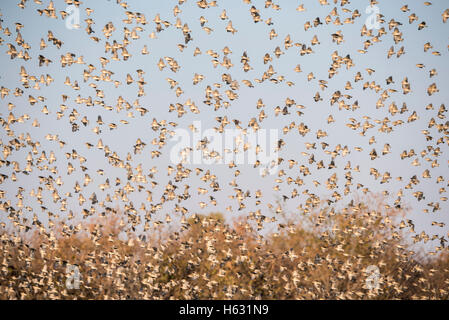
(324, 255)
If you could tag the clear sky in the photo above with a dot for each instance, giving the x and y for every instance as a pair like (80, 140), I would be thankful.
(254, 39)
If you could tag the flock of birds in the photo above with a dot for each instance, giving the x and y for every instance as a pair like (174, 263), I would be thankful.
(42, 182)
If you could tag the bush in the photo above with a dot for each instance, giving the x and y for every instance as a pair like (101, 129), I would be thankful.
(324, 254)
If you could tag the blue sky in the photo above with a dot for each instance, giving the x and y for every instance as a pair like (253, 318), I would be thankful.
(254, 39)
